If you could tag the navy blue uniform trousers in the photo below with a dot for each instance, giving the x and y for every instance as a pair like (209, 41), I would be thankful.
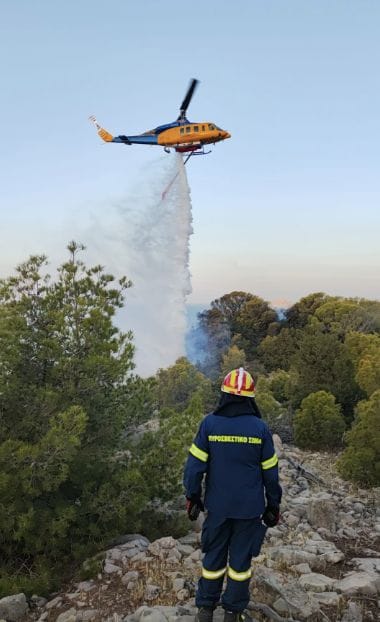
(229, 545)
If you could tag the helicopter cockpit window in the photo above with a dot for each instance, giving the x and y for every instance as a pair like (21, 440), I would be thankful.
(188, 129)
(211, 126)
(203, 128)
(196, 128)
(182, 130)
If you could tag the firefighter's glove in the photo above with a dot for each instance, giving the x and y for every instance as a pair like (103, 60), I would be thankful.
(271, 516)
(194, 506)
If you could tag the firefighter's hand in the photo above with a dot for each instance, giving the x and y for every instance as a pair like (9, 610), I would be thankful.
(271, 516)
(194, 506)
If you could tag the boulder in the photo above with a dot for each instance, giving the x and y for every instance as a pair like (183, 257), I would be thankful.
(301, 568)
(290, 555)
(131, 537)
(321, 511)
(359, 583)
(278, 446)
(352, 613)
(110, 568)
(330, 599)
(55, 602)
(296, 602)
(12, 608)
(86, 586)
(315, 582)
(148, 614)
(366, 564)
(68, 616)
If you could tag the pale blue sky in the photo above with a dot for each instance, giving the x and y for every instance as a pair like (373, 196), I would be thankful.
(289, 205)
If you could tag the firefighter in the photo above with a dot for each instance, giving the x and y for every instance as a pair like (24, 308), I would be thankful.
(234, 448)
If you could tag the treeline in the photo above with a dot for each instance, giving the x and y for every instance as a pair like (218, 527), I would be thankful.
(89, 450)
(317, 369)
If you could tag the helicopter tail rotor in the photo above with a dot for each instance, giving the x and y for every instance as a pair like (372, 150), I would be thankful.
(104, 135)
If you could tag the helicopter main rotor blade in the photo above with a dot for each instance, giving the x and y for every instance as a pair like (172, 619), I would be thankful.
(188, 98)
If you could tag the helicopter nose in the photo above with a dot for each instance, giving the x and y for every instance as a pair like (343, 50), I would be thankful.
(226, 135)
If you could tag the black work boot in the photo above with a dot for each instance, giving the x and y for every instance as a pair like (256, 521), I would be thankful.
(204, 614)
(236, 616)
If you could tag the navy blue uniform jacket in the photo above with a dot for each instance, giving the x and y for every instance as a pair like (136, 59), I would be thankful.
(237, 455)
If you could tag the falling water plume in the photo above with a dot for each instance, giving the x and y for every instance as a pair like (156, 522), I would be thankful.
(148, 240)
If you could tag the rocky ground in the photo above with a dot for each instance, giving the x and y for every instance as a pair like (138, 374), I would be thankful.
(321, 563)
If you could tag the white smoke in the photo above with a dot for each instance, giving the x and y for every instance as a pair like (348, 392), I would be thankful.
(146, 237)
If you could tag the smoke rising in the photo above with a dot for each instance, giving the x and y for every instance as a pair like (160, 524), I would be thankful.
(147, 238)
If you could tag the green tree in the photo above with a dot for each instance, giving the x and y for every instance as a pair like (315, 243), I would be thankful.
(322, 362)
(364, 351)
(230, 306)
(271, 409)
(343, 316)
(360, 344)
(368, 374)
(65, 484)
(253, 321)
(318, 424)
(177, 384)
(138, 399)
(276, 352)
(360, 461)
(298, 315)
(233, 359)
(281, 384)
(161, 456)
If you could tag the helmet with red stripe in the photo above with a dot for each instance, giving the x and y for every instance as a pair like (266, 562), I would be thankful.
(239, 382)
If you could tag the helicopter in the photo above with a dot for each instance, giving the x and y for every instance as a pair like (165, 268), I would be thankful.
(182, 135)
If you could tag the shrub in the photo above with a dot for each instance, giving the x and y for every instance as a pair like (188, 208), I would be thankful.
(318, 424)
(361, 459)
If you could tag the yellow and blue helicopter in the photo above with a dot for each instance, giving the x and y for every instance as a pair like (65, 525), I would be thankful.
(184, 136)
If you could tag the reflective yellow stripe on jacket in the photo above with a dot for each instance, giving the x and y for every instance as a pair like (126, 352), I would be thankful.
(198, 453)
(239, 576)
(271, 462)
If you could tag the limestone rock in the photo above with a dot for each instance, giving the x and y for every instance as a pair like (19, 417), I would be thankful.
(191, 538)
(13, 607)
(278, 446)
(330, 599)
(352, 613)
(110, 568)
(185, 549)
(301, 568)
(367, 564)
(321, 511)
(147, 614)
(178, 584)
(296, 603)
(87, 615)
(359, 583)
(151, 591)
(182, 595)
(131, 576)
(68, 616)
(86, 586)
(131, 537)
(55, 602)
(315, 582)
(290, 555)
